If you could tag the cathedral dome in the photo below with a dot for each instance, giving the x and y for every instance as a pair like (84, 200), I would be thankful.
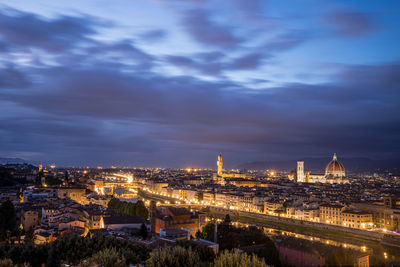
(335, 168)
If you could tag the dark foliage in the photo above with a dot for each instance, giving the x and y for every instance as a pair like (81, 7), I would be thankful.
(135, 209)
(72, 249)
(206, 254)
(339, 257)
(52, 181)
(143, 231)
(7, 178)
(8, 221)
(230, 237)
(227, 219)
(29, 236)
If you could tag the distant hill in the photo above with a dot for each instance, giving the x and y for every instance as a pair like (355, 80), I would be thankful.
(317, 165)
(13, 161)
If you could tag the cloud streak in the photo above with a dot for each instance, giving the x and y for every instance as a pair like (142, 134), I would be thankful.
(352, 23)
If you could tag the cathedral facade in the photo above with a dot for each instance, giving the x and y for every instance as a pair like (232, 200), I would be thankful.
(334, 173)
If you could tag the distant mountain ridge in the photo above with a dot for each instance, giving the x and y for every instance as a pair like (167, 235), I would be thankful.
(13, 161)
(317, 165)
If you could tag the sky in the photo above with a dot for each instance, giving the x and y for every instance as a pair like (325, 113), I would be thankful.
(173, 83)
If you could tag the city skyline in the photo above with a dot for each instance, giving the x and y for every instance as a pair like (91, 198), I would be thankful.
(174, 83)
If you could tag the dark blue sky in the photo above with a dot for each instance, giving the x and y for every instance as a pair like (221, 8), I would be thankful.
(173, 83)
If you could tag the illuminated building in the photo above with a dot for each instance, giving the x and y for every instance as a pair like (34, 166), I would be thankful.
(178, 218)
(334, 173)
(242, 182)
(385, 215)
(272, 206)
(335, 168)
(300, 171)
(30, 218)
(221, 199)
(331, 214)
(208, 197)
(356, 219)
(74, 193)
(220, 175)
(220, 164)
(307, 177)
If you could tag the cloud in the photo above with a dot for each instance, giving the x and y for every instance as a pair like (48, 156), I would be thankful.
(216, 64)
(11, 77)
(96, 101)
(352, 24)
(144, 113)
(154, 35)
(249, 6)
(286, 40)
(206, 31)
(249, 61)
(122, 51)
(24, 30)
(200, 63)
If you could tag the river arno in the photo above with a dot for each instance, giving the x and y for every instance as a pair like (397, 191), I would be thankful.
(378, 254)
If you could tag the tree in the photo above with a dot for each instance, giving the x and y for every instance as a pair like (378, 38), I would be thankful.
(73, 249)
(235, 259)
(66, 177)
(340, 257)
(199, 234)
(143, 231)
(227, 219)
(52, 181)
(141, 209)
(138, 209)
(6, 263)
(206, 254)
(108, 257)
(29, 236)
(8, 220)
(208, 232)
(230, 237)
(173, 257)
(39, 177)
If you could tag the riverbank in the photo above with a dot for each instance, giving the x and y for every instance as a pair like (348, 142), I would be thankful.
(303, 229)
(354, 236)
(334, 232)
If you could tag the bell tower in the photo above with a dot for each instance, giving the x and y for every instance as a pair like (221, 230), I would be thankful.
(220, 164)
(300, 172)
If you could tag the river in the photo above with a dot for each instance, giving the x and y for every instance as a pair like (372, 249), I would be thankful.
(312, 246)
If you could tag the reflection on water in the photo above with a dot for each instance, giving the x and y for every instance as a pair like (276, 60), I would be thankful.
(377, 253)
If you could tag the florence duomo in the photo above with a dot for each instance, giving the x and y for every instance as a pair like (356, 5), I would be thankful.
(334, 173)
